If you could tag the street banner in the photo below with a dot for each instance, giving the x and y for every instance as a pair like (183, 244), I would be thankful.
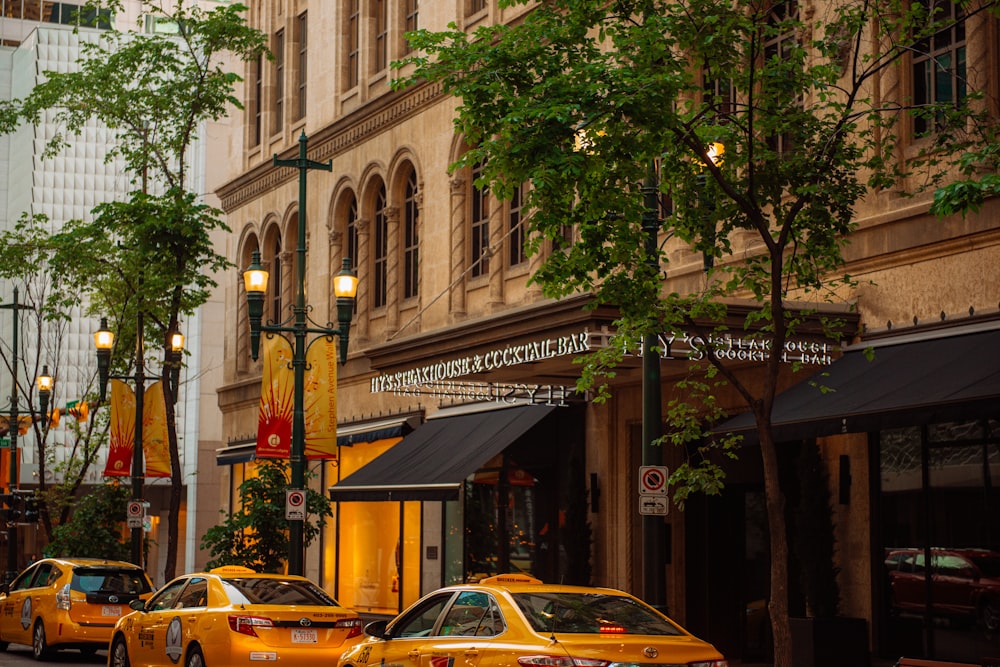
(321, 400)
(155, 447)
(274, 420)
(122, 430)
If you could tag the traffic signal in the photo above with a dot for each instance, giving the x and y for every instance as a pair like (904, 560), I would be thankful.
(30, 508)
(13, 503)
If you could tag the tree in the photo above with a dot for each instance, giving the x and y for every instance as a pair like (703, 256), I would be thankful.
(49, 298)
(154, 252)
(608, 108)
(256, 535)
(95, 528)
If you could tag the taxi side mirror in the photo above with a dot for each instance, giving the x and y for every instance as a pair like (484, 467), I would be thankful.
(377, 629)
(138, 605)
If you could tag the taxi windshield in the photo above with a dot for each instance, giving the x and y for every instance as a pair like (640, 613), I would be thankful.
(591, 614)
(260, 590)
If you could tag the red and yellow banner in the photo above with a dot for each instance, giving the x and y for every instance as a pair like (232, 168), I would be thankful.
(122, 430)
(155, 445)
(274, 422)
(321, 400)
(274, 419)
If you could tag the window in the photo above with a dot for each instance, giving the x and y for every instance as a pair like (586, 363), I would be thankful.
(475, 6)
(480, 219)
(275, 281)
(939, 63)
(409, 20)
(279, 80)
(516, 252)
(381, 22)
(303, 35)
(352, 239)
(258, 101)
(352, 232)
(411, 239)
(381, 249)
(779, 43)
(353, 42)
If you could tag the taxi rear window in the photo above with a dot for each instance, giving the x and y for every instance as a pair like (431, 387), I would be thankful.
(109, 580)
(591, 614)
(259, 590)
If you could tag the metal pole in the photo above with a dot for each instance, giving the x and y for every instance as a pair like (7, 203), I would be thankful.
(138, 474)
(12, 432)
(653, 527)
(297, 458)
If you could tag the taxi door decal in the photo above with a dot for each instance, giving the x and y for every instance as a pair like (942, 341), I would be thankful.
(174, 647)
(26, 612)
(441, 661)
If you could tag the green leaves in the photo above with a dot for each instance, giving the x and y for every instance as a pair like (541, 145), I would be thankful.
(255, 534)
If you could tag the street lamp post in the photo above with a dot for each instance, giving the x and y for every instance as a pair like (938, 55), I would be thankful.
(653, 526)
(345, 286)
(104, 340)
(44, 383)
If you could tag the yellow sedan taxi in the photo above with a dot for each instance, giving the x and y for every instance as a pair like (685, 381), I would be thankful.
(69, 603)
(514, 619)
(232, 616)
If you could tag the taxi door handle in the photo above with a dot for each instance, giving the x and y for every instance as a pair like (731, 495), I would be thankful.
(471, 652)
(414, 654)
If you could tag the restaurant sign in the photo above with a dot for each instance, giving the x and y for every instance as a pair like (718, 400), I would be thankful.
(441, 378)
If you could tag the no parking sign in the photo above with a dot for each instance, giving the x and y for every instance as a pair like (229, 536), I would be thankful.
(295, 505)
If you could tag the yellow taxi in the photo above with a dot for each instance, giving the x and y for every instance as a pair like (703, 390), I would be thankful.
(69, 603)
(514, 619)
(234, 616)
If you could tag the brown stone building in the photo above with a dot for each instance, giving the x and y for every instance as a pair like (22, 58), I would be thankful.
(459, 387)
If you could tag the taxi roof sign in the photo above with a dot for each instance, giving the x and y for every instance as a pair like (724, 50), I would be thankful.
(510, 578)
(232, 569)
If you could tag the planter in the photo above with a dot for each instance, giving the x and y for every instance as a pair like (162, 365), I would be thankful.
(830, 642)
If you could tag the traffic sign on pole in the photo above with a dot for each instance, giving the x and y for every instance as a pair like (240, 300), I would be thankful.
(295, 505)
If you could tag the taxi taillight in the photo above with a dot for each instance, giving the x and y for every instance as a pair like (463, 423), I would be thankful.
(247, 625)
(63, 599)
(353, 626)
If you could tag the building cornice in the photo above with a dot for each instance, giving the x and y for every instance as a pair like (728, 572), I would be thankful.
(332, 140)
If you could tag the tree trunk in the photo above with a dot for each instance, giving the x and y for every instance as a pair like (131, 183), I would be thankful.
(176, 481)
(778, 602)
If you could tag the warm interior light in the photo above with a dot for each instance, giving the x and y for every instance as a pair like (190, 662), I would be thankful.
(345, 283)
(255, 277)
(715, 151)
(103, 338)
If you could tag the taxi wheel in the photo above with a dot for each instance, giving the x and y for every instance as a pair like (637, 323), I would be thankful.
(118, 656)
(39, 645)
(195, 658)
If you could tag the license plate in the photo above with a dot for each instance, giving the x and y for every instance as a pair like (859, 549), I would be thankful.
(304, 636)
(111, 610)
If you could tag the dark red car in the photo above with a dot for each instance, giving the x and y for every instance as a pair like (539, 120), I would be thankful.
(965, 584)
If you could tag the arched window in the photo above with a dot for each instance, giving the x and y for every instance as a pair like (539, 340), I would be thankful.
(380, 250)
(275, 280)
(411, 239)
(480, 221)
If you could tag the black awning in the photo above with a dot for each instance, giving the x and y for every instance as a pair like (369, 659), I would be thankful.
(370, 431)
(908, 382)
(347, 435)
(432, 462)
(233, 454)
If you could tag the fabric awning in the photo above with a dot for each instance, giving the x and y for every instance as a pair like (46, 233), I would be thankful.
(370, 431)
(910, 381)
(347, 435)
(432, 462)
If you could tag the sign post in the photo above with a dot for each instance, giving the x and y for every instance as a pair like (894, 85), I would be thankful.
(653, 490)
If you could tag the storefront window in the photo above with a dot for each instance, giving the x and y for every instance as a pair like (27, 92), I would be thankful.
(941, 506)
(369, 546)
